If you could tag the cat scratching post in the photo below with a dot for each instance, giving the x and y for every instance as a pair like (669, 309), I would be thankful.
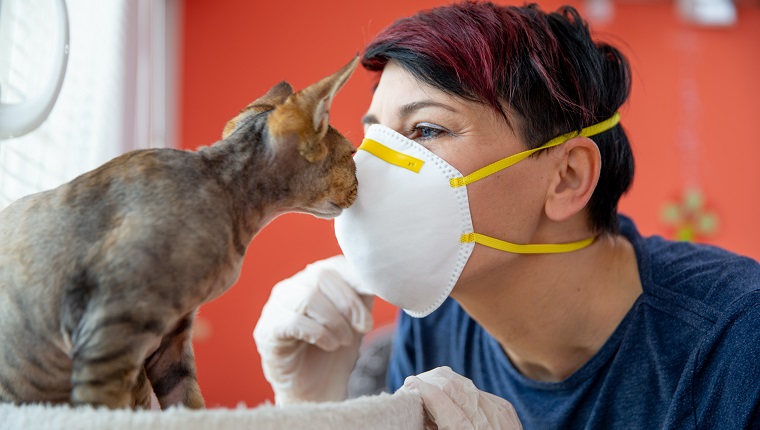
(402, 410)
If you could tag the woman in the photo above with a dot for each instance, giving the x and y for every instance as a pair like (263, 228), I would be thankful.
(517, 273)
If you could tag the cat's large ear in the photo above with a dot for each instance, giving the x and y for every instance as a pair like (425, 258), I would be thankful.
(275, 96)
(305, 115)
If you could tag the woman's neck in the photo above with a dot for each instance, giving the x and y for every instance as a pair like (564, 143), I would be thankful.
(552, 313)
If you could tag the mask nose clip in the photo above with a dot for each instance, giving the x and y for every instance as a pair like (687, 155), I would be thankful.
(391, 156)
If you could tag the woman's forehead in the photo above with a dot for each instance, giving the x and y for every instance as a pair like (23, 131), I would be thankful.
(402, 83)
(398, 89)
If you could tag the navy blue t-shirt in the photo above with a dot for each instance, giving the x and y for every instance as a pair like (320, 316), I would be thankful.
(686, 356)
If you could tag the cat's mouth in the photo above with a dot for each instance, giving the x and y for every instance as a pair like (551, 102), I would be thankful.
(329, 210)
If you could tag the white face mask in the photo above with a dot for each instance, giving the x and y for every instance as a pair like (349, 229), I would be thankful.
(409, 233)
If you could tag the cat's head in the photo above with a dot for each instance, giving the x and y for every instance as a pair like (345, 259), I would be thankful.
(314, 158)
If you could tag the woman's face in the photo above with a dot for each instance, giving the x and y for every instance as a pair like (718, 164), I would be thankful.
(507, 205)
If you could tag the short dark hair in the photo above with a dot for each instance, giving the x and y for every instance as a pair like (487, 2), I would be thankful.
(545, 68)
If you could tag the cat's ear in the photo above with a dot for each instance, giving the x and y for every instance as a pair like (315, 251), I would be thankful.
(275, 96)
(305, 115)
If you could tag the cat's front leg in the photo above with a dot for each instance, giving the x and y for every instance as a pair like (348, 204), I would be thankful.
(141, 391)
(171, 369)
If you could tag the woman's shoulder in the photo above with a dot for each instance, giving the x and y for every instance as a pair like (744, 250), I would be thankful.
(692, 274)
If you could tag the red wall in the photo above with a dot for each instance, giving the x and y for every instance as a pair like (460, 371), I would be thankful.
(691, 119)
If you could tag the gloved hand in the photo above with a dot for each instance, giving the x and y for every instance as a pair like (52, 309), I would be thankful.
(452, 401)
(310, 330)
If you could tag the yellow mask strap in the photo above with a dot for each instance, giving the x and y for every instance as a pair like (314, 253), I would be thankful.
(542, 248)
(536, 248)
(513, 159)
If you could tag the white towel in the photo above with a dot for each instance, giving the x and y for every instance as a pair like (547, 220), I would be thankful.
(402, 410)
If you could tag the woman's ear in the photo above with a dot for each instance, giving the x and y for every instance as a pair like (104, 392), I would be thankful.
(575, 178)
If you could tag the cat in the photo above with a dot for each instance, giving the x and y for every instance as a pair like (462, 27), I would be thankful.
(101, 277)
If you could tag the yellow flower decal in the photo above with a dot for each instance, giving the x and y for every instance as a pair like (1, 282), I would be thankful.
(689, 218)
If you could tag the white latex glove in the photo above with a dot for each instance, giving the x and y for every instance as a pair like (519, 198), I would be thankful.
(310, 330)
(453, 402)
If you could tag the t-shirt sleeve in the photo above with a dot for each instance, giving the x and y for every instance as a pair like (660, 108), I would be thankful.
(726, 389)
(402, 353)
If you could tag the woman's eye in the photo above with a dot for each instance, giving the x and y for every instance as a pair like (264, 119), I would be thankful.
(426, 131)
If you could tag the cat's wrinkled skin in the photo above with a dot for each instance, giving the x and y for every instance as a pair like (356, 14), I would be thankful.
(101, 277)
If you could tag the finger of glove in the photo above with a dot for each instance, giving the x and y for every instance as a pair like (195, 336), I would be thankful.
(439, 407)
(324, 311)
(306, 329)
(301, 294)
(347, 301)
(452, 383)
(339, 281)
(484, 410)
(339, 264)
(499, 412)
(306, 315)
(461, 390)
(272, 316)
(293, 293)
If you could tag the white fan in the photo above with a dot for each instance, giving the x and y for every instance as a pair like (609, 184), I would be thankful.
(44, 23)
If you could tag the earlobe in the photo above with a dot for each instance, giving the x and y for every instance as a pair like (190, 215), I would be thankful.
(574, 180)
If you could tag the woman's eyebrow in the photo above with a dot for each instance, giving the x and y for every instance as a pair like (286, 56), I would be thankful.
(408, 109)
(413, 107)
